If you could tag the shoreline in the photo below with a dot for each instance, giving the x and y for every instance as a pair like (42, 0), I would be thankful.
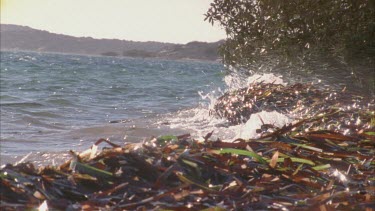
(282, 168)
(81, 138)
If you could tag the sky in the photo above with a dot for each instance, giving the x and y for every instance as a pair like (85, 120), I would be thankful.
(175, 21)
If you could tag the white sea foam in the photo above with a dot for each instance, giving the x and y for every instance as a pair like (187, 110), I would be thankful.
(200, 121)
(266, 78)
(237, 80)
(248, 130)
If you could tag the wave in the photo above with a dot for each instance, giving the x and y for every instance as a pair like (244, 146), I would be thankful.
(43, 114)
(200, 120)
(9, 98)
(22, 104)
(60, 102)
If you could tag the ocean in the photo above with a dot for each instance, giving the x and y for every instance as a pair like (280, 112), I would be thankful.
(53, 103)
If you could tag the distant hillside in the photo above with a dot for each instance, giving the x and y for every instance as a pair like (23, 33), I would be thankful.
(15, 37)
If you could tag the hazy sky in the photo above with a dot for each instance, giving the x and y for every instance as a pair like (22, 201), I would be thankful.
(177, 21)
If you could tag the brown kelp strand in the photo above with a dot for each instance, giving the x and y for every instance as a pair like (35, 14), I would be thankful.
(312, 164)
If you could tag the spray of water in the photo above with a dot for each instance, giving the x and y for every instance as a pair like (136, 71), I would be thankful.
(199, 121)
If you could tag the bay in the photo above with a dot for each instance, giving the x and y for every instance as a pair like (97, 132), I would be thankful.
(56, 102)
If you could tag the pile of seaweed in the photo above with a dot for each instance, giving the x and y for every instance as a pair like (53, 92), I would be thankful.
(324, 161)
(302, 100)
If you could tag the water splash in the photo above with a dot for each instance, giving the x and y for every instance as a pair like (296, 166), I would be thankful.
(199, 121)
(256, 122)
(266, 78)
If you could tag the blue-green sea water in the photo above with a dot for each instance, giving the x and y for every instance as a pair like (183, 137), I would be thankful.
(55, 102)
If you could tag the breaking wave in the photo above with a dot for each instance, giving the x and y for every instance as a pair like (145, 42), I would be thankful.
(200, 121)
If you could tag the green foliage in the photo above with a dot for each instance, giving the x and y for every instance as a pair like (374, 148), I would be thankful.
(294, 30)
(242, 152)
(163, 140)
